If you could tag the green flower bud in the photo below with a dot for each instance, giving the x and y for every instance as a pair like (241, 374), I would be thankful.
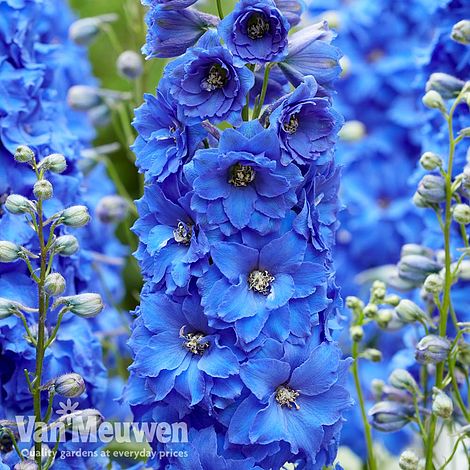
(83, 97)
(75, 216)
(384, 317)
(26, 465)
(403, 380)
(408, 312)
(432, 189)
(23, 154)
(378, 291)
(65, 245)
(9, 252)
(432, 349)
(54, 284)
(461, 214)
(430, 161)
(408, 460)
(352, 131)
(370, 311)
(433, 284)
(372, 354)
(414, 249)
(465, 132)
(55, 163)
(446, 85)
(130, 65)
(17, 204)
(112, 209)
(419, 201)
(43, 189)
(69, 385)
(461, 32)
(356, 333)
(83, 305)
(392, 300)
(433, 100)
(442, 405)
(8, 308)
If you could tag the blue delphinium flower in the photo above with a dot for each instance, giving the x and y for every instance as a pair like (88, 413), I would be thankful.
(171, 32)
(242, 183)
(306, 124)
(293, 398)
(255, 32)
(207, 84)
(164, 142)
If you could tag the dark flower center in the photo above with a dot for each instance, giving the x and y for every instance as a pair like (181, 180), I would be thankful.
(183, 233)
(260, 281)
(216, 78)
(286, 396)
(257, 26)
(194, 343)
(293, 124)
(6, 443)
(241, 175)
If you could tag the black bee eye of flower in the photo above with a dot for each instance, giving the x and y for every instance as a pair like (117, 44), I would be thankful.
(241, 175)
(260, 281)
(293, 124)
(216, 78)
(183, 233)
(286, 396)
(194, 342)
(258, 27)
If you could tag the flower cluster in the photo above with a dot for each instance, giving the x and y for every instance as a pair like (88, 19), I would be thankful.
(39, 64)
(236, 228)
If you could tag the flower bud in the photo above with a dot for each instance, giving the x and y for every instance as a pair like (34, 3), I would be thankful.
(461, 214)
(430, 161)
(416, 268)
(377, 387)
(83, 305)
(372, 354)
(66, 245)
(69, 385)
(408, 460)
(356, 332)
(414, 249)
(26, 465)
(43, 189)
(388, 416)
(100, 116)
(446, 85)
(130, 65)
(75, 216)
(461, 32)
(83, 97)
(433, 100)
(85, 30)
(432, 189)
(392, 300)
(442, 405)
(17, 204)
(55, 163)
(408, 312)
(432, 349)
(384, 317)
(9, 252)
(370, 311)
(54, 284)
(465, 132)
(352, 131)
(8, 308)
(419, 201)
(354, 303)
(433, 284)
(378, 291)
(23, 154)
(112, 209)
(403, 380)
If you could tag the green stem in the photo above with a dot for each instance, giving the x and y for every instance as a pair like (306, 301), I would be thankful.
(13, 440)
(41, 331)
(257, 110)
(444, 311)
(219, 9)
(367, 429)
(454, 450)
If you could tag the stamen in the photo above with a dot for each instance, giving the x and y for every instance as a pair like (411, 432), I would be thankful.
(293, 124)
(194, 342)
(286, 396)
(216, 79)
(183, 233)
(241, 175)
(258, 27)
(260, 281)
